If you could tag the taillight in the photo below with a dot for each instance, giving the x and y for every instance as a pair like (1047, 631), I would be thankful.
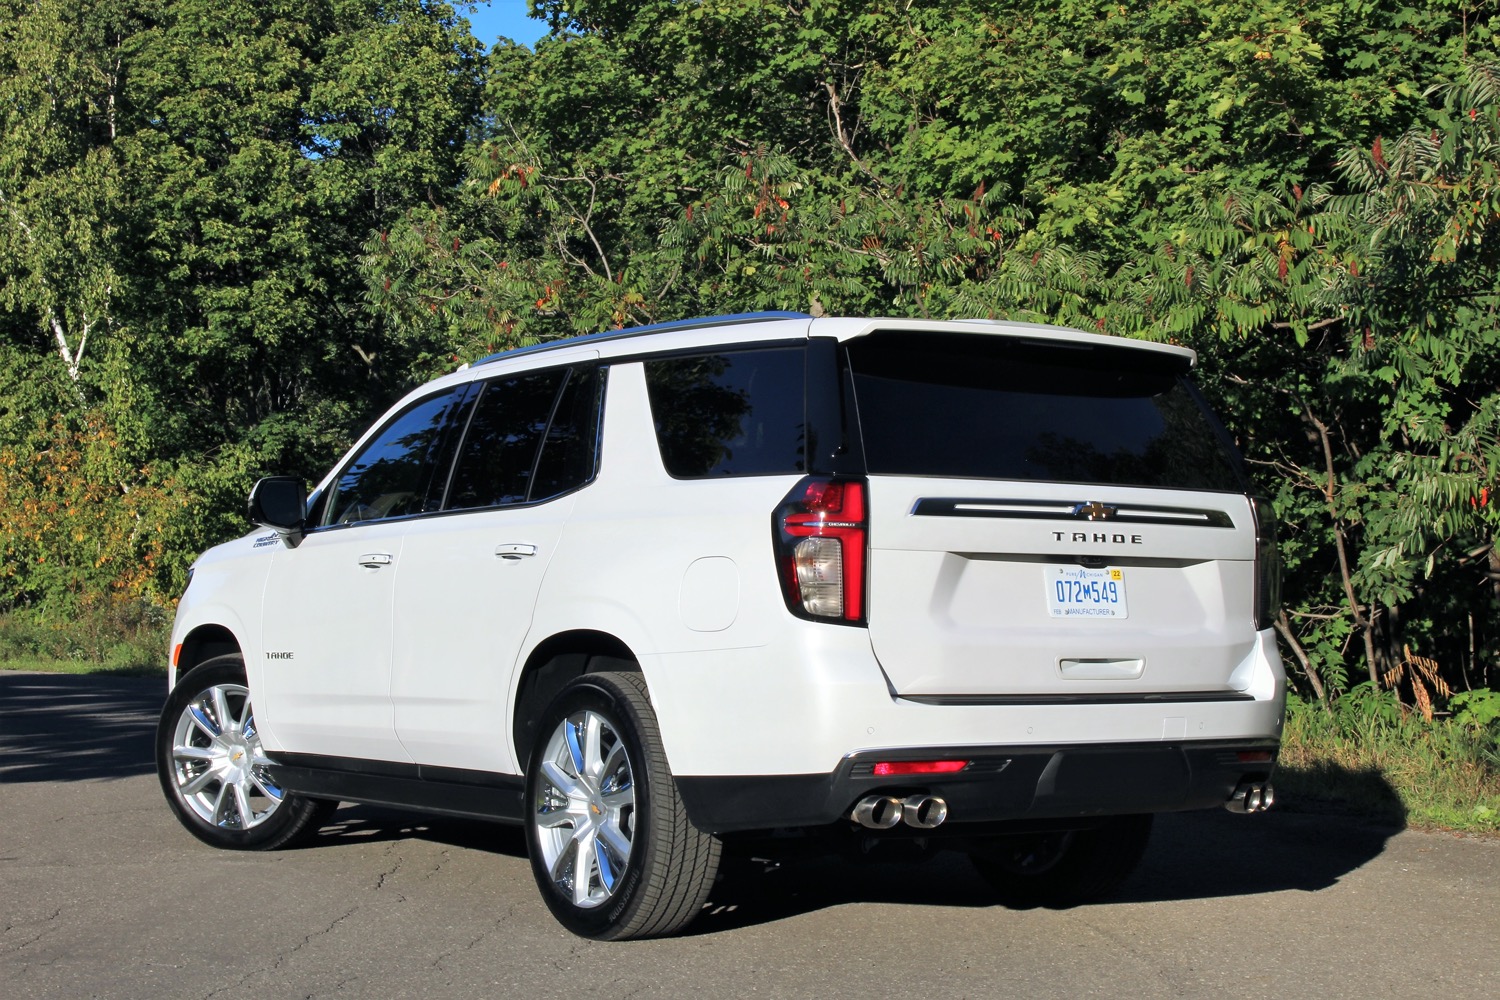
(820, 549)
(1267, 565)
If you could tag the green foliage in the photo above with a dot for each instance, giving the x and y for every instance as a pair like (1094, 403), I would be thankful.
(250, 225)
(1479, 712)
(185, 187)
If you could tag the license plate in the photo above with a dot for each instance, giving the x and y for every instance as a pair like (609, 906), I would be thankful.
(1076, 592)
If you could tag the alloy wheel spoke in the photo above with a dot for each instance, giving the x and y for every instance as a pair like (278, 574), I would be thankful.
(561, 780)
(620, 798)
(208, 755)
(266, 787)
(559, 868)
(204, 721)
(614, 836)
(616, 765)
(221, 801)
(608, 875)
(554, 819)
(593, 736)
(202, 781)
(221, 708)
(242, 804)
(570, 733)
(583, 869)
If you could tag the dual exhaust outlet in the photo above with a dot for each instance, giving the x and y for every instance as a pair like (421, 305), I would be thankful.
(881, 812)
(1251, 797)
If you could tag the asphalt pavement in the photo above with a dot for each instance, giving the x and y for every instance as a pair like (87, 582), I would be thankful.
(102, 894)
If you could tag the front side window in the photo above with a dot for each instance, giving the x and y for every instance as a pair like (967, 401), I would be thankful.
(735, 413)
(394, 474)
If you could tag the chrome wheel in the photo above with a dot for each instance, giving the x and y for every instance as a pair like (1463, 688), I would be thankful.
(217, 764)
(584, 808)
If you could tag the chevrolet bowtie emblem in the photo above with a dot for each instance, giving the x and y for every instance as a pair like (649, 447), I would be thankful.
(1095, 511)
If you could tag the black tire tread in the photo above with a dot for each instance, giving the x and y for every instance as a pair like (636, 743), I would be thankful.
(677, 886)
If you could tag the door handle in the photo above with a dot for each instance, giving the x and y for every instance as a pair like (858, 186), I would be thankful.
(374, 560)
(514, 550)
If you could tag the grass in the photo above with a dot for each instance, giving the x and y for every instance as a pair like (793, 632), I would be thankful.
(47, 665)
(1368, 758)
(127, 638)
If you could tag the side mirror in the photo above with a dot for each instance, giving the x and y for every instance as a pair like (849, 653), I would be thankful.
(280, 503)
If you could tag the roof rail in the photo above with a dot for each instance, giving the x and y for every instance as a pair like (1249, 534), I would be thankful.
(635, 331)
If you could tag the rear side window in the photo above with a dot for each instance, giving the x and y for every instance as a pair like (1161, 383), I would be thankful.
(531, 437)
(1003, 408)
(570, 450)
(735, 413)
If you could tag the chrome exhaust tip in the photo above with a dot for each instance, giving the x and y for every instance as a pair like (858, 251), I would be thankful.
(1251, 797)
(924, 811)
(877, 812)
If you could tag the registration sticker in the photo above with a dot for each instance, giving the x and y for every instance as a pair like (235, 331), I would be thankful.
(1077, 592)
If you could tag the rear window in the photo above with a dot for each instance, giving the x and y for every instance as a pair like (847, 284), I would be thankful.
(1004, 408)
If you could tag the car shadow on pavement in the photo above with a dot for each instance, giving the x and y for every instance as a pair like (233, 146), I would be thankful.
(1197, 855)
(374, 824)
(74, 727)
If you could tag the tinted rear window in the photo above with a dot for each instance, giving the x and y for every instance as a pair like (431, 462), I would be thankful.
(1002, 408)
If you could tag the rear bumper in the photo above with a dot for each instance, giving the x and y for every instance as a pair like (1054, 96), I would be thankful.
(999, 784)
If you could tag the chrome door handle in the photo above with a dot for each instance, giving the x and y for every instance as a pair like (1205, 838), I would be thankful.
(374, 560)
(514, 550)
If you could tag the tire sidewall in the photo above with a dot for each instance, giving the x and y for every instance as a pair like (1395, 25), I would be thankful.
(599, 695)
(219, 670)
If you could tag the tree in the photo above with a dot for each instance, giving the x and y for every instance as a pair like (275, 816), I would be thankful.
(185, 186)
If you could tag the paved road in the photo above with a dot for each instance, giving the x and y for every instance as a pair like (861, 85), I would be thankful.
(103, 895)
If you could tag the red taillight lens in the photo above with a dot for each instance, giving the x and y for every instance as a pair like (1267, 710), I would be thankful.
(889, 767)
(820, 534)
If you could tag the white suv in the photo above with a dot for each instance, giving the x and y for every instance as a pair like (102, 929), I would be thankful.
(989, 586)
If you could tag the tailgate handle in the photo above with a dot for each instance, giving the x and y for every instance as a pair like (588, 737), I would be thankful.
(1101, 669)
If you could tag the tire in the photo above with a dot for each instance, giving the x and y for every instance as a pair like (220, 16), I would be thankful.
(600, 799)
(1063, 868)
(213, 771)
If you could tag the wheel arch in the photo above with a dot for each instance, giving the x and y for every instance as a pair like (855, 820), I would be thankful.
(553, 663)
(204, 643)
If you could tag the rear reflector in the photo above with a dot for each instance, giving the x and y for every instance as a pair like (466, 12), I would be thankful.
(1254, 756)
(886, 768)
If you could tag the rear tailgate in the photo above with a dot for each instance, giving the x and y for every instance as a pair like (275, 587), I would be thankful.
(1050, 515)
(976, 590)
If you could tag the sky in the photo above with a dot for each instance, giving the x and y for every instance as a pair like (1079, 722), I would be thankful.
(501, 17)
